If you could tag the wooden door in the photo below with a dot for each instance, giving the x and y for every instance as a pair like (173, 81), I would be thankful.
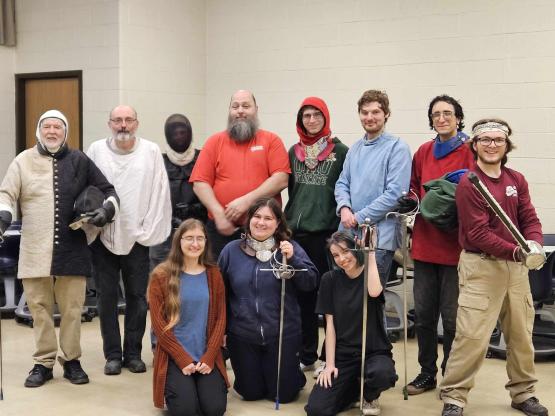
(37, 93)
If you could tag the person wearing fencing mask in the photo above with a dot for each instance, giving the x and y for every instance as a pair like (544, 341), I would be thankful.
(179, 159)
(253, 302)
(54, 259)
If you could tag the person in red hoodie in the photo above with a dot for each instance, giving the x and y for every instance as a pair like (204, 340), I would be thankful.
(493, 275)
(436, 251)
(316, 163)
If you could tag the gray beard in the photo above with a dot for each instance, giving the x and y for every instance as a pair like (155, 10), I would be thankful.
(242, 130)
(123, 136)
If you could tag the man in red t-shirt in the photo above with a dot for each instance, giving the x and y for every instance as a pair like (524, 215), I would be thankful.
(235, 168)
(493, 280)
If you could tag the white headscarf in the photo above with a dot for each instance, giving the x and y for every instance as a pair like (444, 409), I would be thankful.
(52, 114)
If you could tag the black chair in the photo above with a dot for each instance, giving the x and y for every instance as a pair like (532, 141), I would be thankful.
(9, 255)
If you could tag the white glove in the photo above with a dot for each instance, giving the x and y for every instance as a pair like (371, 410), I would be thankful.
(535, 258)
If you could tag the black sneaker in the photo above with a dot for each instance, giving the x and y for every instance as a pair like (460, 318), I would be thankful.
(112, 367)
(531, 407)
(38, 375)
(422, 382)
(74, 372)
(135, 365)
(451, 410)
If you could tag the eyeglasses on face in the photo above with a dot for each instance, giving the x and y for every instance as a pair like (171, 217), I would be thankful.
(486, 141)
(446, 115)
(190, 239)
(316, 115)
(127, 120)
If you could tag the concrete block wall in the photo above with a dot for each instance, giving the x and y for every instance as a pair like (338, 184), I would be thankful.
(495, 57)
(64, 35)
(7, 106)
(163, 63)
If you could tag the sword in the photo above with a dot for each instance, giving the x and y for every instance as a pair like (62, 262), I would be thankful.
(283, 272)
(505, 220)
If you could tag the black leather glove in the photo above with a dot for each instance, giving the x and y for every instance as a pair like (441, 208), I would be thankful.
(5, 221)
(405, 204)
(101, 216)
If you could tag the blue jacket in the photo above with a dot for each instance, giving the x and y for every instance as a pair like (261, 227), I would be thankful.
(374, 176)
(253, 295)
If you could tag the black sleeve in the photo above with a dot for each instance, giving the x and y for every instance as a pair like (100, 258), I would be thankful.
(96, 178)
(324, 304)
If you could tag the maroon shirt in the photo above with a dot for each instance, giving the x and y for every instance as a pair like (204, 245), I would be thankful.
(480, 230)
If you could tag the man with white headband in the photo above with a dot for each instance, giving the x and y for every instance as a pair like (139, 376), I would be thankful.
(493, 278)
(136, 168)
(53, 259)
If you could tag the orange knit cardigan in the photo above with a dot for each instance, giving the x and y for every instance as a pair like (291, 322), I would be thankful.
(168, 346)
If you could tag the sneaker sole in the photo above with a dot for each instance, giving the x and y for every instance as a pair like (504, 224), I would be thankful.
(48, 377)
(77, 381)
(516, 406)
(419, 391)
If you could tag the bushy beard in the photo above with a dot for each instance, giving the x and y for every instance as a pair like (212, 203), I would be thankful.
(242, 129)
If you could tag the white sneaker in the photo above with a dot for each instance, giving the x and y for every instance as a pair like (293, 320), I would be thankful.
(372, 408)
(319, 369)
(307, 367)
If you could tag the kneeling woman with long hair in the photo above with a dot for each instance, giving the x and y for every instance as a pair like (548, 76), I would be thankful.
(340, 300)
(253, 298)
(187, 310)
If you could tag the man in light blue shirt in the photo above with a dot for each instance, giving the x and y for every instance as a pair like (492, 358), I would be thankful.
(375, 173)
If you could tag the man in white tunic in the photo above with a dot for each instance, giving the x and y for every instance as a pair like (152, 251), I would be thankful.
(136, 168)
(53, 259)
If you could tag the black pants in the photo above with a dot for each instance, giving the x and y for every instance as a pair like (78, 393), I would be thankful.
(195, 395)
(134, 272)
(217, 240)
(255, 369)
(379, 376)
(436, 291)
(314, 244)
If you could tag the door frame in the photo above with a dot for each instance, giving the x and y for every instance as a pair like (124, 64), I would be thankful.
(20, 80)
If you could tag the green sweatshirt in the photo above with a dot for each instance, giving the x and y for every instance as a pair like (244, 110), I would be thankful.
(311, 206)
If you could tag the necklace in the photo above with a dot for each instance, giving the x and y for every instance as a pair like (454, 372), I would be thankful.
(263, 249)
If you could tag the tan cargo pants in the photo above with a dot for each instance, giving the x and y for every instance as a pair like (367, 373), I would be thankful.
(491, 289)
(41, 294)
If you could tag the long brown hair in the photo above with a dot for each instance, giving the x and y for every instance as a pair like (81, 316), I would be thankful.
(174, 265)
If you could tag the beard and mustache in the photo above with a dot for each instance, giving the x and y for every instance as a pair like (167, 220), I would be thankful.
(124, 136)
(242, 129)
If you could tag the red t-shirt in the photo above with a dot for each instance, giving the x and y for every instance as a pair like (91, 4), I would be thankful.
(234, 169)
(429, 243)
(480, 230)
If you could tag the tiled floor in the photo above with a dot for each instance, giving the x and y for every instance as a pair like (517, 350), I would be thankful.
(131, 394)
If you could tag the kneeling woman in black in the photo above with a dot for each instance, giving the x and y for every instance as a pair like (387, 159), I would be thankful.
(340, 300)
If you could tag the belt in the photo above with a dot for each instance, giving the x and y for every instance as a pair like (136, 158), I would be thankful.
(482, 255)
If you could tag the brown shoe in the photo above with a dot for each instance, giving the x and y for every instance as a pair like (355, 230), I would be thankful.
(422, 382)
(531, 407)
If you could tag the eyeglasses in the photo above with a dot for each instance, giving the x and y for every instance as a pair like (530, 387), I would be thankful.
(486, 141)
(316, 116)
(446, 115)
(127, 120)
(190, 239)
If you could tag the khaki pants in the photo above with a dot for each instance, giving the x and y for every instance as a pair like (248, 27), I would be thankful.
(491, 289)
(41, 294)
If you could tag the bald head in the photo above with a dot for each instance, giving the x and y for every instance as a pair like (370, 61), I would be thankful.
(242, 95)
(125, 108)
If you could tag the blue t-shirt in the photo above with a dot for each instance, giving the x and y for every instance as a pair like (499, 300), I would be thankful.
(190, 331)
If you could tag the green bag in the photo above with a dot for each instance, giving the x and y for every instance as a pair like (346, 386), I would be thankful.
(438, 206)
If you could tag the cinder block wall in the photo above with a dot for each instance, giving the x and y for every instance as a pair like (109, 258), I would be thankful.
(495, 57)
(7, 116)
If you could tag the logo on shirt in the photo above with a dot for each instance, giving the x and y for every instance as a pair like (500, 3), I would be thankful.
(257, 148)
(511, 190)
